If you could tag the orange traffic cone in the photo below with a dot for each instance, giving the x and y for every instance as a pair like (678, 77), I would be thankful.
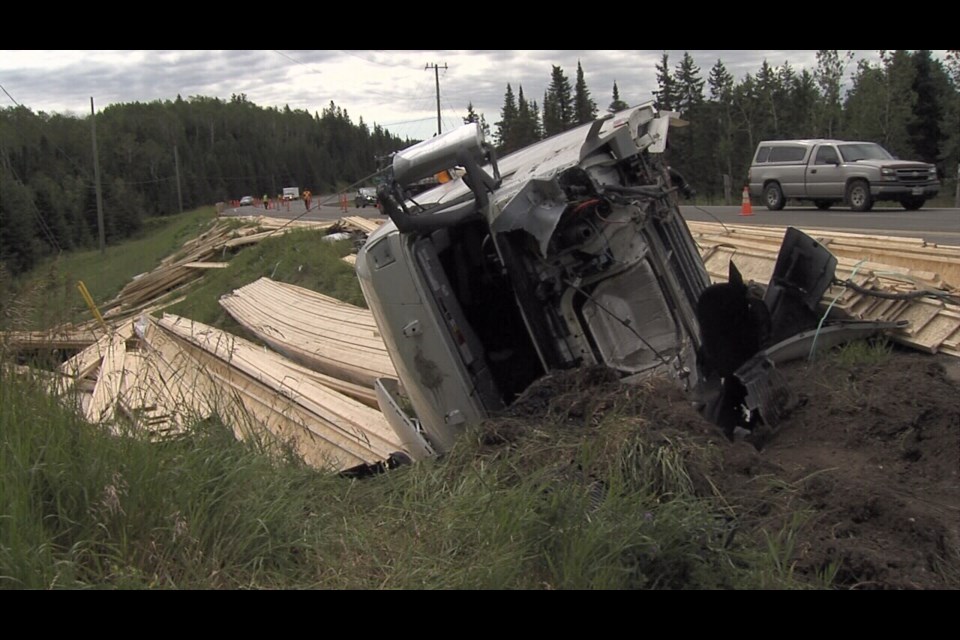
(746, 209)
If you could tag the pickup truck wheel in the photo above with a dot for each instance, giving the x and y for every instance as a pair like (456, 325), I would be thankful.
(823, 205)
(912, 204)
(858, 196)
(773, 197)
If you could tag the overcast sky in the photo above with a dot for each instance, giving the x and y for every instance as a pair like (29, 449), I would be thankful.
(395, 89)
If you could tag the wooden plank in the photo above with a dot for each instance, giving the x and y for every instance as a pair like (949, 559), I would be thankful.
(322, 333)
(60, 338)
(109, 381)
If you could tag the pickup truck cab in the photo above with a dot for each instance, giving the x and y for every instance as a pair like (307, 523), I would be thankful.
(828, 172)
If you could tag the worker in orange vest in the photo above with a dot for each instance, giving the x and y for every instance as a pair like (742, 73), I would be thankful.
(306, 198)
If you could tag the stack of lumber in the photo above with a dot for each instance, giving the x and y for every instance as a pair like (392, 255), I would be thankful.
(367, 225)
(327, 428)
(162, 375)
(940, 265)
(320, 332)
(890, 265)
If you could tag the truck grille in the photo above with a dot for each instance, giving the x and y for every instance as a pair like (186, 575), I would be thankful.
(913, 175)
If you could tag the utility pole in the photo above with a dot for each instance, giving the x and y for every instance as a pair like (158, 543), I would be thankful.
(96, 177)
(436, 73)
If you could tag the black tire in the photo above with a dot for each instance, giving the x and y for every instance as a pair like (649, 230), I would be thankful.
(912, 204)
(773, 197)
(823, 205)
(858, 196)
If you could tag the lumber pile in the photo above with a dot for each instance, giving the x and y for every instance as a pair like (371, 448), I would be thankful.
(327, 428)
(162, 375)
(901, 265)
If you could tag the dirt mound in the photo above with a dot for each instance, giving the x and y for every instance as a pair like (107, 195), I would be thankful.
(866, 468)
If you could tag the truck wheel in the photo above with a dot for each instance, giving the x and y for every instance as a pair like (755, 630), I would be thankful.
(823, 205)
(773, 197)
(858, 196)
(912, 204)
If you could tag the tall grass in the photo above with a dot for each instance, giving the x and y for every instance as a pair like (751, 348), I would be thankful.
(608, 508)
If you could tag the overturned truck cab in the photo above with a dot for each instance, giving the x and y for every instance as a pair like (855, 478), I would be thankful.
(570, 252)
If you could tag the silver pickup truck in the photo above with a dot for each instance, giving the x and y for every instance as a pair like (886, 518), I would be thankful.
(828, 172)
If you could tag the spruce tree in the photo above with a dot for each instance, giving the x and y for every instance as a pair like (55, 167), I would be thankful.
(584, 108)
(617, 104)
(925, 132)
(667, 92)
(558, 111)
(506, 127)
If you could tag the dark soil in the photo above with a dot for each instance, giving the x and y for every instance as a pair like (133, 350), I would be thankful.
(869, 460)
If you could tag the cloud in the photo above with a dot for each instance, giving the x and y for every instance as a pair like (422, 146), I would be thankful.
(393, 88)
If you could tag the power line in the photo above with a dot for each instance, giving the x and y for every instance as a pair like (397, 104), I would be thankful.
(9, 96)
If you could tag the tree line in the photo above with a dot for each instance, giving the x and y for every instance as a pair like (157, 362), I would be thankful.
(907, 101)
(222, 149)
(219, 149)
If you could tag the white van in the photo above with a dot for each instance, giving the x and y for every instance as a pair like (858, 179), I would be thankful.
(291, 193)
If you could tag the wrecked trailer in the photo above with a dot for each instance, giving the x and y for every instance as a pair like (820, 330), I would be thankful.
(570, 252)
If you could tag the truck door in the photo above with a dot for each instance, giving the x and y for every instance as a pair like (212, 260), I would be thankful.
(823, 176)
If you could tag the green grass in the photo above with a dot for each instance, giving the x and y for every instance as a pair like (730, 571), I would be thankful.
(862, 352)
(86, 509)
(48, 295)
(299, 257)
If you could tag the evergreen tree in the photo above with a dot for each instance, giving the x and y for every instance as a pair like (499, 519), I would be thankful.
(617, 104)
(829, 76)
(479, 119)
(721, 103)
(550, 118)
(506, 127)
(689, 153)
(801, 108)
(925, 132)
(767, 87)
(667, 93)
(951, 149)
(880, 104)
(584, 108)
(19, 239)
(558, 108)
(689, 85)
(528, 121)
